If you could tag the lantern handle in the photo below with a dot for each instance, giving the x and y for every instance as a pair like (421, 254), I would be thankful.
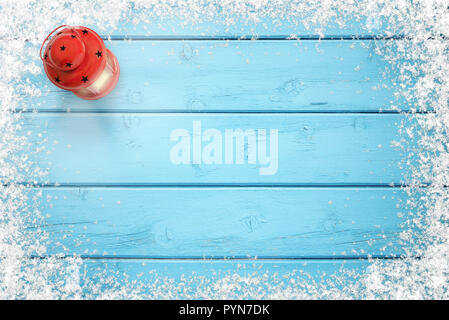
(42, 46)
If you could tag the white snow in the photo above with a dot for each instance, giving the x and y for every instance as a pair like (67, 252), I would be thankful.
(421, 61)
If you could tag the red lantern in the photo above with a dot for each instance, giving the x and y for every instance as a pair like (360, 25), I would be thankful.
(77, 60)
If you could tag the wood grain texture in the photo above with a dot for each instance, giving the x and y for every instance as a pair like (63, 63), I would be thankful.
(225, 222)
(135, 148)
(230, 76)
(183, 279)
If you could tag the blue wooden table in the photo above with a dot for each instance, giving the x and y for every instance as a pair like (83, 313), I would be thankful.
(118, 197)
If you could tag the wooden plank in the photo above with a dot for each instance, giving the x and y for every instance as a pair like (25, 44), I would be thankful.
(158, 27)
(229, 76)
(224, 222)
(138, 149)
(183, 279)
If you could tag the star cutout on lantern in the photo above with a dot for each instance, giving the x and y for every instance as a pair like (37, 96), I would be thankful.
(68, 64)
(84, 79)
(45, 56)
(73, 36)
(85, 31)
(62, 47)
(57, 79)
(98, 54)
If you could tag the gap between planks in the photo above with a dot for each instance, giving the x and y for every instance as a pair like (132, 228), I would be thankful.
(237, 258)
(247, 37)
